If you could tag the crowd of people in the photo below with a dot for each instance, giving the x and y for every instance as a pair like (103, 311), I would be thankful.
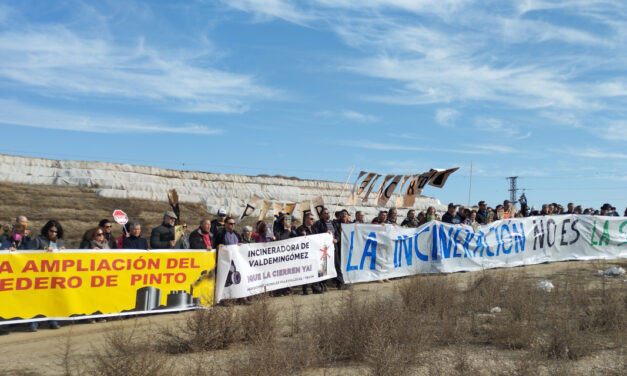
(221, 231)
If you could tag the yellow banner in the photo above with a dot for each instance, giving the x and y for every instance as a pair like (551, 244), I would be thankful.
(82, 283)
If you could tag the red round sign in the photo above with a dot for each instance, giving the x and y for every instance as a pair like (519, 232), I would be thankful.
(120, 217)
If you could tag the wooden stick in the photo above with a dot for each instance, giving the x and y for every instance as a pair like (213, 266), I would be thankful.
(232, 192)
(344, 188)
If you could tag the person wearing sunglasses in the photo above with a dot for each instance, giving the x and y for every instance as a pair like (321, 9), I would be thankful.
(107, 225)
(227, 235)
(51, 237)
(50, 240)
(94, 238)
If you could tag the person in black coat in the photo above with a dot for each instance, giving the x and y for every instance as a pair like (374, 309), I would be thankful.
(201, 237)
(135, 241)
(227, 235)
(162, 236)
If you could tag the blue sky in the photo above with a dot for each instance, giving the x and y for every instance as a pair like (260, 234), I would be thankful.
(535, 89)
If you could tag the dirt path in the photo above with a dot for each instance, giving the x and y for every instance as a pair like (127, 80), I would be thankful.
(41, 353)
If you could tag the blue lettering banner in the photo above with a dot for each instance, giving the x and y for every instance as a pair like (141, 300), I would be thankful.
(373, 252)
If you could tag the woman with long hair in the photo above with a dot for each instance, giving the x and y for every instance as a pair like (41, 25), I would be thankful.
(94, 238)
(51, 237)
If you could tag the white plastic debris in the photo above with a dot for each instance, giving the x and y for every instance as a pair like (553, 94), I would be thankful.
(495, 310)
(611, 272)
(545, 286)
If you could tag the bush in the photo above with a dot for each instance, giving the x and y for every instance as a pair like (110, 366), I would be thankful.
(206, 329)
(125, 354)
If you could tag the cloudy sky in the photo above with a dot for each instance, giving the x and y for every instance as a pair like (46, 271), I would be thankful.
(310, 88)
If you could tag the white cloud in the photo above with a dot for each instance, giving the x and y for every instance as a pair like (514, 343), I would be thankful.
(466, 149)
(599, 154)
(446, 116)
(372, 145)
(268, 9)
(19, 114)
(469, 52)
(359, 117)
(614, 132)
(56, 60)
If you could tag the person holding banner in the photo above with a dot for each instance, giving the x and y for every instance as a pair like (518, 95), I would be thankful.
(227, 235)
(247, 235)
(262, 234)
(431, 215)
(134, 240)
(201, 237)
(162, 236)
(218, 223)
(392, 216)
(381, 218)
(51, 237)
(410, 220)
(307, 229)
(359, 217)
(107, 226)
(284, 229)
(324, 224)
(18, 240)
(94, 238)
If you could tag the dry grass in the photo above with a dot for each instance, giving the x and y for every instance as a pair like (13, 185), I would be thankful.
(125, 352)
(435, 325)
(218, 327)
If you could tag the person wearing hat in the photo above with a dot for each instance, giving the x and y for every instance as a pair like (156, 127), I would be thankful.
(162, 236)
(218, 223)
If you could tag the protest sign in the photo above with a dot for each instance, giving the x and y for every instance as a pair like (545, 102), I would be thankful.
(304, 207)
(370, 187)
(120, 217)
(251, 269)
(277, 207)
(265, 206)
(374, 252)
(250, 208)
(388, 191)
(383, 185)
(401, 192)
(417, 182)
(352, 197)
(410, 193)
(36, 286)
(318, 205)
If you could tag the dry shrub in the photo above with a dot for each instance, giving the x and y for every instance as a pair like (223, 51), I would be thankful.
(386, 356)
(485, 291)
(206, 329)
(272, 358)
(218, 327)
(463, 365)
(345, 332)
(125, 354)
(428, 294)
(564, 340)
(259, 321)
(522, 299)
(512, 334)
(606, 314)
(432, 303)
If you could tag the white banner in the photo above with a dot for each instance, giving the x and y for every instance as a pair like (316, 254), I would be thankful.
(251, 269)
(374, 252)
